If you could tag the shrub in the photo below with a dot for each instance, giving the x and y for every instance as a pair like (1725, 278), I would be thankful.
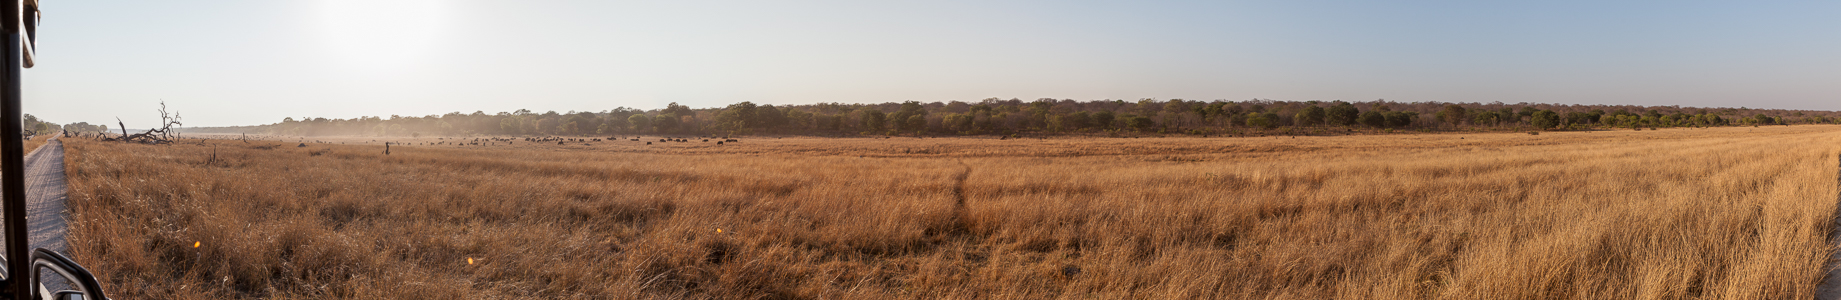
(1342, 114)
(1545, 119)
(1374, 119)
(1310, 116)
(1401, 118)
(1453, 114)
(1262, 120)
(1139, 122)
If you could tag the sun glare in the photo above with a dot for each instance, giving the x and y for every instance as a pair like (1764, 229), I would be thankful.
(379, 35)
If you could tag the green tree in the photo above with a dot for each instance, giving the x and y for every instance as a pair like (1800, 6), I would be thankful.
(1175, 112)
(1588, 118)
(609, 127)
(665, 123)
(909, 111)
(799, 119)
(915, 123)
(544, 126)
(1103, 119)
(1141, 123)
(677, 110)
(1311, 115)
(1262, 120)
(512, 125)
(1713, 119)
(572, 125)
(1486, 117)
(958, 122)
(873, 119)
(1342, 114)
(1078, 120)
(1544, 119)
(770, 117)
(1213, 110)
(1401, 118)
(640, 122)
(739, 117)
(1373, 119)
(1454, 114)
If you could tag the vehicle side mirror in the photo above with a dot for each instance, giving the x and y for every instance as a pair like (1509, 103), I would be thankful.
(82, 284)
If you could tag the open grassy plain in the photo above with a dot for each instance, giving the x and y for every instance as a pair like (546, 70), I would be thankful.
(1724, 213)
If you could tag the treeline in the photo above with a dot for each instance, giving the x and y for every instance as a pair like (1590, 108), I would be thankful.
(1044, 116)
(34, 125)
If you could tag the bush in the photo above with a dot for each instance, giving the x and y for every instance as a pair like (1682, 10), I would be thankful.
(1401, 118)
(1374, 119)
(1545, 119)
(1102, 119)
(1453, 114)
(1342, 114)
(1262, 120)
(1310, 116)
(1139, 122)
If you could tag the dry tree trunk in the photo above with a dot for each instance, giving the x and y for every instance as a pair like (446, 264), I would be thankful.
(162, 135)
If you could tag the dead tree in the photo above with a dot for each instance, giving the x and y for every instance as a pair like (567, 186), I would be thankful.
(162, 135)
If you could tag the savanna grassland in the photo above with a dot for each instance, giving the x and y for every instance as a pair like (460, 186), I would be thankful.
(33, 142)
(1723, 213)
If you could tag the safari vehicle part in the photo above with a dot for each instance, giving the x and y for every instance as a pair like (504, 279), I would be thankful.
(22, 270)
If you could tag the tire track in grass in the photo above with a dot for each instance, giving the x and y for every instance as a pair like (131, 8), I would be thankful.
(958, 195)
(1830, 287)
(955, 223)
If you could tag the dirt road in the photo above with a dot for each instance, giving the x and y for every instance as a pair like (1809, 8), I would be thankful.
(45, 195)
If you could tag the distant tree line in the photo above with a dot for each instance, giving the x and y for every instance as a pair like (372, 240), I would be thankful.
(1044, 116)
(34, 125)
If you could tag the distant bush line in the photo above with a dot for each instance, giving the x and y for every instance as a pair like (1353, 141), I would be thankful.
(1046, 117)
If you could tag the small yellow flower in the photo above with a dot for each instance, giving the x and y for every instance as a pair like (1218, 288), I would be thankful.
(195, 244)
(469, 260)
(718, 230)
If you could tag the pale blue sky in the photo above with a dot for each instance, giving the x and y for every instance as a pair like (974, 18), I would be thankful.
(253, 62)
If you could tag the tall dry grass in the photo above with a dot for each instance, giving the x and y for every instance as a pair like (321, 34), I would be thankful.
(33, 143)
(1732, 213)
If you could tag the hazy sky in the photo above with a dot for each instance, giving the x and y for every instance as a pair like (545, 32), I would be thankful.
(253, 62)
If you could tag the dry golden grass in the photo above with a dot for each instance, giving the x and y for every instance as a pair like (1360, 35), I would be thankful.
(34, 142)
(1729, 213)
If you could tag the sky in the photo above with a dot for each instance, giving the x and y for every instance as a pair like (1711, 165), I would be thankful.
(222, 63)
